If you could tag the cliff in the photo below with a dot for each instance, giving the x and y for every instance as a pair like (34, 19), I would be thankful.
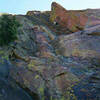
(56, 55)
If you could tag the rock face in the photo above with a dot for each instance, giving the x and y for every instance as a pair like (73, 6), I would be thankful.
(48, 75)
(70, 20)
(79, 45)
(45, 78)
(93, 12)
(51, 66)
(48, 78)
(9, 90)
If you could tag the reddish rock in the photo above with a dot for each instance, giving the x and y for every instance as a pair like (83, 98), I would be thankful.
(71, 20)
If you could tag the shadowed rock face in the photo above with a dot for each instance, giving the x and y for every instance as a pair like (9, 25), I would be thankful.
(9, 90)
(71, 20)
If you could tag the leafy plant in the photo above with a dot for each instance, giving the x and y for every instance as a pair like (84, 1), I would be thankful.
(8, 29)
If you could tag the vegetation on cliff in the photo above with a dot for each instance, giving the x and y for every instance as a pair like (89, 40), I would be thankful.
(8, 29)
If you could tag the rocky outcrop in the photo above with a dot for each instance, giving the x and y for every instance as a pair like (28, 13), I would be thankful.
(41, 74)
(45, 78)
(93, 12)
(69, 20)
(81, 44)
(30, 13)
(9, 90)
(51, 66)
(50, 76)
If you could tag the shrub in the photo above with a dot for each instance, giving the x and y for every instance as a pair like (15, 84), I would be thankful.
(8, 29)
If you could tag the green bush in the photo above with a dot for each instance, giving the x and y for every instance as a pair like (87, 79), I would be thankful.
(8, 29)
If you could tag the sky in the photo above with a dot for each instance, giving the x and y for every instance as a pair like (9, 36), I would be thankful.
(22, 6)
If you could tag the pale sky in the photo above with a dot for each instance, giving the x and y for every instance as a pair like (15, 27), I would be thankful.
(22, 6)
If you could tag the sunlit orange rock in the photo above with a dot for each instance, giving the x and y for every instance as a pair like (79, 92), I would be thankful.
(71, 20)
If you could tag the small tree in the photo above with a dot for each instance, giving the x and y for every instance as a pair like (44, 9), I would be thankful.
(8, 29)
